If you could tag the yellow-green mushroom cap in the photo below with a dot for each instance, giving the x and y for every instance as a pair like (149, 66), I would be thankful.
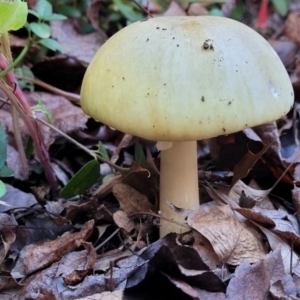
(186, 78)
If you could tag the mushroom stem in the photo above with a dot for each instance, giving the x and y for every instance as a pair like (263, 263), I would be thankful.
(178, 183)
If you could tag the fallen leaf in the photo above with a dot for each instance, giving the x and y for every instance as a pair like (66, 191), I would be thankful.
(174, 9)
(16, 199)
(131, 201)
(289, 257)
(74, 266)
(292, 26)
(122, 221)
(64, 32)
(115, 295)
(254, 281)
(232, 240)
(40, 256)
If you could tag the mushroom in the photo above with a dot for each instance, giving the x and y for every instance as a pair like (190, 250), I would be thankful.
(182, 79)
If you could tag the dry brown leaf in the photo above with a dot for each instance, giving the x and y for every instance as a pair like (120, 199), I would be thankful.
(131, 201)
(13, 161)
(289, 257)
(40, 256)
(38, 286)
(243, 167)
(104, 260)
(105, 188)
(253, 281)
(197, 9)
(281, 222)
(206, 251)
(115, 295)
(64, 32)
(240, 186)
(219, 193)
(186, 288)
(74, 266)
(126, 141)
(286, 50)
(15, 198)
(8, 236)
(66, 117)
(122, 221)
(145, 179)
(174, 9)
(296, 201)
(292, 26)
(232, 240)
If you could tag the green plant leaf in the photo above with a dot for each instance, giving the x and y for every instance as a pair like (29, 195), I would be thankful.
(51, 44)
(237, 13)
(69, 11)
(102, 151)
(24, 71)
(5, 171)
(281, 6)
(139, 155)
(82, 180)
(13, 15)
(34, 13)
(3, 145)
(29, 148)
(41, 107)
(55, 17)
(44, 9)
(42, 30)
(128, 11)
(2, 188)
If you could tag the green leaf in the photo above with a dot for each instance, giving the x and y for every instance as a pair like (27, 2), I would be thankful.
(102, 151)
(34, 13)
(5, 171)
(51, 44)
(139, 155)
(13, 15)
(128, 11)
(68, 11)
(281, 6)
(29, 147)
(237, 13)
(82, 180)
(42, 108)
(2, 188)
(42, 30)
(24, 71)
(44, 9)
(55, 17)
(216, 11)
(3, 145)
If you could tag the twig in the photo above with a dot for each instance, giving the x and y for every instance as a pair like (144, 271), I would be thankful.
(159, 216)
(84, 148)
(107, 240)
(90, 152)
(70, 96)
(146, 11)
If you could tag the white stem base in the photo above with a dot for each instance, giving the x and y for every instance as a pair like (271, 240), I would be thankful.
(178, 183)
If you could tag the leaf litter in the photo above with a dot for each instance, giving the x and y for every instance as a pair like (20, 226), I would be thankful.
(243, 241)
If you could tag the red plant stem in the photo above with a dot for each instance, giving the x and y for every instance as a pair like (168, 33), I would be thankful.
(18, 99)
(262, 15)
